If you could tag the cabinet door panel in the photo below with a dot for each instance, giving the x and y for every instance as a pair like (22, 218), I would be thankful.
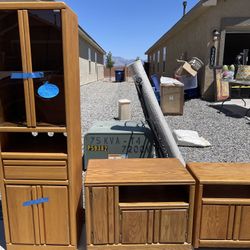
(12, 103)
(45, 28)
(244, 224)
(20, 217)
(100, 215)
(214, 222)
(173, 226)
(134, 226)
(56, 215)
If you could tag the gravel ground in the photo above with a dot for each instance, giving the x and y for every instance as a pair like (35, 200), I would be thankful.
(227, 133)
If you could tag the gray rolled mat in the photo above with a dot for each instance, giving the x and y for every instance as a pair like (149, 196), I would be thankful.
(154, 116)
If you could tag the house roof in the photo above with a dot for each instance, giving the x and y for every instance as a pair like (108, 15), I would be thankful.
(90, 40)
(195, 12)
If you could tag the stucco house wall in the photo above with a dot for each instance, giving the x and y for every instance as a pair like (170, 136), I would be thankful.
(91, 68)
(195, 38)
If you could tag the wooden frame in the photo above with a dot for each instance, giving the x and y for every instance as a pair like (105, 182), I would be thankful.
(66, 166)
(222, 193)
(130, 217)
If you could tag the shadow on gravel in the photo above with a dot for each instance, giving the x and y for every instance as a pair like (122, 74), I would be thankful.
(234, 111)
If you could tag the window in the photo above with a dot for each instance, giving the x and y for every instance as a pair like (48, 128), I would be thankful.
(164, 59)
(158, 60)
(89, 56)
(95, 57)
(153, 63)
(95, 62)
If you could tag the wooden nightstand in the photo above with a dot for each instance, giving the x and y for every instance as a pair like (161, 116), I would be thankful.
(222, 206)
(139, 204)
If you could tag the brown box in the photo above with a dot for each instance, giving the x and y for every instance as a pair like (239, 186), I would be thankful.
(172, 99)
(186, 69)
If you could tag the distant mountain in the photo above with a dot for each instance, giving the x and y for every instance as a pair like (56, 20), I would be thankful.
(120, 61)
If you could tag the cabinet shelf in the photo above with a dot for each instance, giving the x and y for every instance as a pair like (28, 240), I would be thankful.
(152, 205)
(45, 127)
(26, 142)
(226, 191)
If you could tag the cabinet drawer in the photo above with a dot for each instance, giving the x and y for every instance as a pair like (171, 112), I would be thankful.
(35, 169)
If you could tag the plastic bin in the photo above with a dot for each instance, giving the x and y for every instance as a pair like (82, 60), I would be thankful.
(190, 86)
(119, 75)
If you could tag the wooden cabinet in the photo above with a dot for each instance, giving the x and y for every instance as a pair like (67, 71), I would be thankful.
(153, 208)
(222, 204)
(40, 134)
(38, 223)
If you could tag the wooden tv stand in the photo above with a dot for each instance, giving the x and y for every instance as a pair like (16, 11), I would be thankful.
(139, 204)
(222, 206)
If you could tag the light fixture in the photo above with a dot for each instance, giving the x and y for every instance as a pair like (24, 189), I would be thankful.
(216, 35)
(184, 7)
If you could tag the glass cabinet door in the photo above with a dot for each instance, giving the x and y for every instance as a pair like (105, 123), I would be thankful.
(12, 93)
(45, 27)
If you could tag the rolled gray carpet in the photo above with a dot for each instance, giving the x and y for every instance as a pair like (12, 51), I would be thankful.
(165, 142)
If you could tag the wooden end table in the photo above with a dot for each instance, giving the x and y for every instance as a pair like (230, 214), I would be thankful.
(139, 204)
(222, 206)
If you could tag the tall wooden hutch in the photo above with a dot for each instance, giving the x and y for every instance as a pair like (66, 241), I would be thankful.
(40, 150)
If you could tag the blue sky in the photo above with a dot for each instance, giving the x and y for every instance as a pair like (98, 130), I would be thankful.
(127, 28)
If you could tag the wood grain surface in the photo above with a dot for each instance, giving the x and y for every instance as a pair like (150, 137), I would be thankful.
(56, 215)
(244, 232)
(100, 215)
(221, 173)
(134, 227)
(214, 222)
(173, 226)
(141, 247)
(137, 171)
(21, 218)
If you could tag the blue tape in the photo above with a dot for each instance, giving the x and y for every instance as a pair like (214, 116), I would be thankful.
(27, 75)
(35, 202)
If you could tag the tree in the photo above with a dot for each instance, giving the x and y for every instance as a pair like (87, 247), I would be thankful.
(109, 63)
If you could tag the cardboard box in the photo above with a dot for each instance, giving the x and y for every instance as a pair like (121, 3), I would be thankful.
(172, 99)
(186, 69)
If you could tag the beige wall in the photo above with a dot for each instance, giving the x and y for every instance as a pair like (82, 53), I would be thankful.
(90, 71)
(196, 40)
(95, 74)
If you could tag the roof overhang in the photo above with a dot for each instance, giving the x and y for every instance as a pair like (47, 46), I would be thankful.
(195, 12)
(90, 40)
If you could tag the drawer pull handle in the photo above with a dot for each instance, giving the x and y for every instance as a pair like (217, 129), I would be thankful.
(35, 202)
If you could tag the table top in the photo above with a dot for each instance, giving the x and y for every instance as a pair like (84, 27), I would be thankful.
(137, 172)
(221, 173)
(239, 82)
